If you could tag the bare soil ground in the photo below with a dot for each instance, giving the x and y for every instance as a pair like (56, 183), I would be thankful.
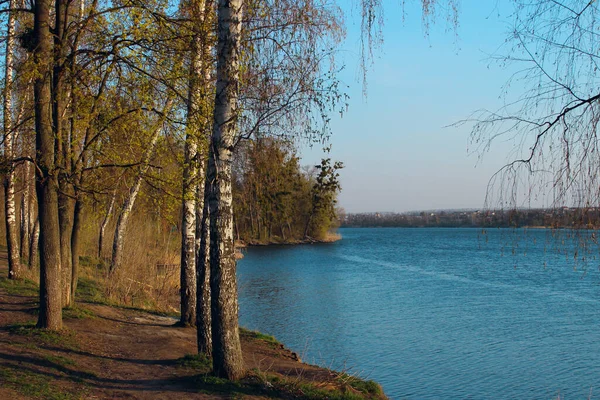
(109, 352)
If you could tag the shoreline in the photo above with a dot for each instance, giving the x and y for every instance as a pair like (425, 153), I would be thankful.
(103, 343)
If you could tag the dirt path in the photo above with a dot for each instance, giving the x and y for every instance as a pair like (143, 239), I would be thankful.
(116, 353)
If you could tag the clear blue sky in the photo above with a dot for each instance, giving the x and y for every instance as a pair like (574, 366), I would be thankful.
(399, 154)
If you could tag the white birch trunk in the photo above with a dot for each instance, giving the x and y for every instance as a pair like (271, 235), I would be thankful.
(203, 303)
(190, 177)
(27, 205)
(25, 213)
(104, 224)
(34, 243)
(227, 353)
(14, 262)
(203, 311)
(119, 238)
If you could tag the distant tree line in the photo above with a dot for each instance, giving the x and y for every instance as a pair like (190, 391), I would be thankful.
(278, 201)
(565, 217)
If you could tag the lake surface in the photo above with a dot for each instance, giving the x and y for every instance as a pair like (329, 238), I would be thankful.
(436, 313)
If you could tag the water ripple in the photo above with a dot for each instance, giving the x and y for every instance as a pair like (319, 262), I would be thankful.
(432, 314)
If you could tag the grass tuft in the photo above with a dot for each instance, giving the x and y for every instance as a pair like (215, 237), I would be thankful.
(360, 385)
(63, 338)
(33, 385)
(22, 287)
(59, 360)
(90, 291)
(285, 387)
(198, 362)
(76, 312)
(258, 335)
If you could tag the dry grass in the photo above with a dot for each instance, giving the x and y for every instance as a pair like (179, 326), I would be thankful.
(149, 275)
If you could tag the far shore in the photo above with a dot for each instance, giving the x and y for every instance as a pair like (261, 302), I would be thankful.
(462, 227)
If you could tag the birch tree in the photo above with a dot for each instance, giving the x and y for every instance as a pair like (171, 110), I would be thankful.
(275, 102)
(194, 153)
(105, 222)
(144, 165)
(203, 292)
(14, 262)
(26, 215)
(227, 351)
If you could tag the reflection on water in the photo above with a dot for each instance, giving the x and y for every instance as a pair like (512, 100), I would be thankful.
(434, 313)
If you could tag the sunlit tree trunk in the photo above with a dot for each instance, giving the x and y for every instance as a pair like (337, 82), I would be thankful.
(203, 325)
(65, 213)
(188, 237)
(119, 238)
(34, 243)
(198, 117)
(63, 156)
(122, 221)
(105, 222)
(190, 174)
(79, 177)
(14, 262)
(227, 352)
(50, 316)
(26, 218)
(77, 223)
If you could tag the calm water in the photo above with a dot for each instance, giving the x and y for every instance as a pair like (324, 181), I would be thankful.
(435, 313)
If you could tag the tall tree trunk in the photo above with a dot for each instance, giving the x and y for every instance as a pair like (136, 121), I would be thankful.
(188, 237)
(77, 217)
(105, 223)
(227, 352)
(50, 316)
(25, 224)
(119, 238)
(190, 174)
(65, 193)
(34, 243)
(65, 217)
(203, 319)
(307, 225)
(76, 172)
(203, 299)
(12, 243)
(252, 228)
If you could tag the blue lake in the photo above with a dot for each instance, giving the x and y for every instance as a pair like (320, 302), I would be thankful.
(436, 313)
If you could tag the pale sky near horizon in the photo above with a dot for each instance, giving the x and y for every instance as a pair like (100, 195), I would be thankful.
(399, 153)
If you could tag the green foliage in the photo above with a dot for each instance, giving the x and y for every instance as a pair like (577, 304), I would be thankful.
(275, 201)
(324, 198)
